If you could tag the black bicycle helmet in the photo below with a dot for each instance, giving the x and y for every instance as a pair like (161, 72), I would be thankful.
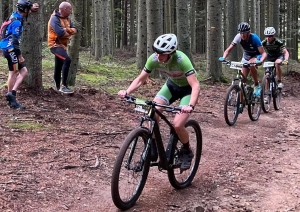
(23, 4)
(244, 27)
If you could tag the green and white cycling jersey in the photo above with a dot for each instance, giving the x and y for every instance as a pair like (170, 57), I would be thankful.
(177, 69)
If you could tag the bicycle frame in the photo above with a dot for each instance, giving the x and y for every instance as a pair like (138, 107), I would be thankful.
(164, 155)
(240, 77)
(270, 69)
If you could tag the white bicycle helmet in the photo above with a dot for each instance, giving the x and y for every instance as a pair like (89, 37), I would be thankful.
(165, 44)
(270, 31)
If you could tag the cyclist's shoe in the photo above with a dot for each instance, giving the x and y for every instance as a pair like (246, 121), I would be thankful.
(186, 157)
(241, 108)
(280, 85)
(153, 151)
(266, 100)
(17, 105)
(65, 90)
(12, 102)
(257, 91)
(10, 98)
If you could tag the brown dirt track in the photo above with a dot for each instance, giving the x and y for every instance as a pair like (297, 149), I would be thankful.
(66, 164)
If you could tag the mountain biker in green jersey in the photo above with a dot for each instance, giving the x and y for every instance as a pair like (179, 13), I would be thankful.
(182, 84)
(276, 51)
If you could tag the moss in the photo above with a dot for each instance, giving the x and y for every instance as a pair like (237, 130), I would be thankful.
(25, 125)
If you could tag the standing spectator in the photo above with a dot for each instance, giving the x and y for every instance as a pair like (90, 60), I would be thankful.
(10, 45)
(60, 30)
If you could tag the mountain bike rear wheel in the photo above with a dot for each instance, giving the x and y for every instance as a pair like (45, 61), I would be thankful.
(266, 95)
(131, 169)
(180, 179)
(232, 104)
(277, 94)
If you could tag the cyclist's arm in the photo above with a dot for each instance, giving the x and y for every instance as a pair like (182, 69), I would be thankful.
(227, 51)
(137, 82)
(286, 54)
(263, 53)
(194, 83)
(16, 29)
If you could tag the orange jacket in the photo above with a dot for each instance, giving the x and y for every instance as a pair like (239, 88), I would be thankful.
(60, 30)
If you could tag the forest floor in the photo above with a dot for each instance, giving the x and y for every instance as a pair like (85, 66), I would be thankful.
(58, 154)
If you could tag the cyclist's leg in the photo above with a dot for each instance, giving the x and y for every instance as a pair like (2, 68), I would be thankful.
(245, 71)
(17, 71)
(163, 97)
(180, 120)
(278, 67)
(253, 70)
(186, 153)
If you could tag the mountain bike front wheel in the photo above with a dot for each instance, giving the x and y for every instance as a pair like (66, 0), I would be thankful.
(180, 179)
(131, 169)
(232, 104)
(277, 94)
(254, 107)
(266, 94)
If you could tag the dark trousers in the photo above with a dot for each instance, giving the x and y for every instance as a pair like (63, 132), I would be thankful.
(62, 65)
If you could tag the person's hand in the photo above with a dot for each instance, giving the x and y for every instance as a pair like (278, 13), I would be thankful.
(35, 7)
(122, 93)
(187, 109)
(285, 62)
(221, 59)
(21, 59)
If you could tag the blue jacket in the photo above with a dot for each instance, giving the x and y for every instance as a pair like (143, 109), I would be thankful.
(14, 30)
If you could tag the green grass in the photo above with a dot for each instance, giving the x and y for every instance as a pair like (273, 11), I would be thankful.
(24, 125)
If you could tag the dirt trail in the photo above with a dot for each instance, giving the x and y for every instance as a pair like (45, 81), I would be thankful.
(66, 165)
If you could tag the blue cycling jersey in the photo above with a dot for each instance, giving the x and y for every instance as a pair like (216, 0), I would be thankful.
(14, 32)
(251, 46)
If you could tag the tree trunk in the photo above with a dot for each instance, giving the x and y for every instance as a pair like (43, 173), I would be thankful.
(105, 29)
(154, 26)
(141, 34)
(31, 47)
(75, 41)
(183, 31)
(98, 29)
(214, 26)
(231, 26)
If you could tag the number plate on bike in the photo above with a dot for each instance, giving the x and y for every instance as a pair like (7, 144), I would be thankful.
(236, 65)
(141, 108)
(268, 64)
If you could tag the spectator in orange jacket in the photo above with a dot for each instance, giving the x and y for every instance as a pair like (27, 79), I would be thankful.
(60, 30)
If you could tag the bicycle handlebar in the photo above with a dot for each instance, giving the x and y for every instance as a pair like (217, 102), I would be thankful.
(136, 101)
(228, 62)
